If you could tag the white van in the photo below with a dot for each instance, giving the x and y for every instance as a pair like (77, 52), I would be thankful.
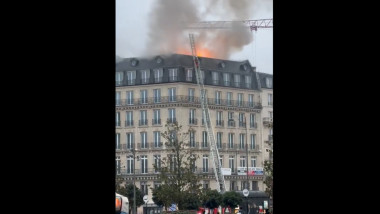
(122, 204)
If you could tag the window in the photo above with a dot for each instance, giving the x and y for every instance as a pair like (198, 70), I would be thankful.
(250, 100)
(144, 187)
(189, 74)
(206, 184)
(241, 120)
(202, 77)
(117, 118)
(233, 185)
(130, 140)
(144, 143)
(156, 117)
(192, 163)
(118, 101)
(253, 141)
(268, 82)
(117, 141)
(270, 114)
(215, 78)
(157, 95)
(253, 161)
(237, 80)
(270, 101)
(129, 118)
(130, 164)
(221, 160)
(118, 165)
(204, 139)
(218, 95)
(144, 164)
(172, 95)
(157, 139)
(231, 163)
(248, 81)
(131, 77)
(205, 163)
(252, 122)
(242, 161)
(157, 184)
(229, 98)
(157, 162)
(145, 74)
(129, 97)
(192, 139)
(172, 165)
(144, 97)
(219, 140)
(173, 74)
(231, 140)
(172, 117)
(191, 94)
(158, 73)
(231, 121)
(192, 119)
(226, 78)
(270, 137)
(242, 141)
(219, 118)
(119, 78)
(143, 118)
(240, 99)
(255, 187)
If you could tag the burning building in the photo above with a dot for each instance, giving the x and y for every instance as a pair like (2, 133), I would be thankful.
(152, 90)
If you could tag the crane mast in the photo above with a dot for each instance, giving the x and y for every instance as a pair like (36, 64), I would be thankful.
(221, 186)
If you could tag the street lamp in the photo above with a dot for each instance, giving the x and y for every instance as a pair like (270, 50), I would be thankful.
(133, 150)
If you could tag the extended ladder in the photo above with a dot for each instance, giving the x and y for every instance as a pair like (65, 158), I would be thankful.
(221, 187)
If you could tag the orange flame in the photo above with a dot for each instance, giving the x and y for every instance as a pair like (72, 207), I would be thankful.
(201, 52)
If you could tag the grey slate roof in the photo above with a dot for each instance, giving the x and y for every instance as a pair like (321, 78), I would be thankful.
(176, 60)
(262, 77)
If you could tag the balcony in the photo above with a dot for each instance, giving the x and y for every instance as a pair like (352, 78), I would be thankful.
(158, 80)
(131, 82)
(186, 99)
(193, 121)
(173, 78)
(117, 123)
(220, 123)
(231, 123)
(119, 83)
(143, 122)
(143, 146)
(194, 145)
(204, 145)
(172, 120)
(267, 121)
(156, 121)
(128, 123)
(242, 124)
(227, 83)
(144, 81)
(156, 145)
(253, 125)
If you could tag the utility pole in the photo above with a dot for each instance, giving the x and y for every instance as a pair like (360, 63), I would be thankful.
(134, 180)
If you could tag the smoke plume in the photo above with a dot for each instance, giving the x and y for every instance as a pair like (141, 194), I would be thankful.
(168, 18)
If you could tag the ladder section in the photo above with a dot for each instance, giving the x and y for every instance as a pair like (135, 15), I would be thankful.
(221, 187)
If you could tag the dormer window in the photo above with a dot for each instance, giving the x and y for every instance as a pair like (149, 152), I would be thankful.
(158, 60)
(134, 62)
(222, 65)
(268, 82)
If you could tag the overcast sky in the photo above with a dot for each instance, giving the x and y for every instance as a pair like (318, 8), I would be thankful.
(134, 16)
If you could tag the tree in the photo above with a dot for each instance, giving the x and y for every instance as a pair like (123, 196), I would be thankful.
(127, 190)
(211, 198)
(231, 199)
(177, 170)
(191, 201)
(162, 196)
(268, 181)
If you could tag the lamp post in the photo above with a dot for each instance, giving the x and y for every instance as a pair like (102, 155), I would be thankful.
(246, 149)
(134, 180)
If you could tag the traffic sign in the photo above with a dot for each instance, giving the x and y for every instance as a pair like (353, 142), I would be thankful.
(245, 192)
(145, 198)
